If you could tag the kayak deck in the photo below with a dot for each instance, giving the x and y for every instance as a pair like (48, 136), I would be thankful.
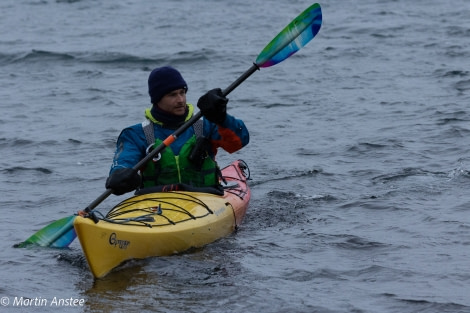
(164, 223)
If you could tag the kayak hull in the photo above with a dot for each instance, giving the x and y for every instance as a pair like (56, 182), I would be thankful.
(164, 223)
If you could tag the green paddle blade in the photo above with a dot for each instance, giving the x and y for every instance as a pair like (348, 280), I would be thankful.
(58, 234)
(293, 37)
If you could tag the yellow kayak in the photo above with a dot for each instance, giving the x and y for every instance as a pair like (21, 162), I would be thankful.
(165, 223)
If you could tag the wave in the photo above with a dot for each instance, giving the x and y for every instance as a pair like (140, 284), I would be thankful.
(104, 57)
(459, 116)
(378, 149)
(405, 173)
(424, 306)
(463, 85)
(451, 73)
(292, 175)
(20, 143)
(292, 196)
(459, 173)
(284, 210)
(16, 169)
(15, 142)
(351, 242)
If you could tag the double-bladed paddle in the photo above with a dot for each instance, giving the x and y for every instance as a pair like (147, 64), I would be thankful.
(294, 36)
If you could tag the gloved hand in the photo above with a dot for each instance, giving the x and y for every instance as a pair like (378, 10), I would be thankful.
(213, 106)
(123, 180)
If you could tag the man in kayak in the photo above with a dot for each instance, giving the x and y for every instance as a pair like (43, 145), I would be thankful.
(190, 159)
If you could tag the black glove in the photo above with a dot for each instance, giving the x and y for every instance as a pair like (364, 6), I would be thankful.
(123, 180)
(213, 106)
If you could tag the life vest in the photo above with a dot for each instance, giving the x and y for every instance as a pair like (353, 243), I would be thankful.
(169, 168)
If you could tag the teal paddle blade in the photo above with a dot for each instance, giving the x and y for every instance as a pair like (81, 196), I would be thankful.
(58, 234)
(64, 240)
(293, 37)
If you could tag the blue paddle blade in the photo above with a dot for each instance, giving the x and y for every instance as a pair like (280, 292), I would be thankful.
(58, 234)
(65, 240)
(293, 37)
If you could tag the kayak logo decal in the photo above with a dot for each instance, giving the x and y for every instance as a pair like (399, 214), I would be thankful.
(219, 211)
(122, 244)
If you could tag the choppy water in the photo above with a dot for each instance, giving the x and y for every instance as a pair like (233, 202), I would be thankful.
(359, 152)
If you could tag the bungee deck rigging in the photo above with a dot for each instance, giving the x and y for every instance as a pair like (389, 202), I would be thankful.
(155, 210)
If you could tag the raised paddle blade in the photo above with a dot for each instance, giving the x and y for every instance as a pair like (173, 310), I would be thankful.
(58, 234)
(293, 37)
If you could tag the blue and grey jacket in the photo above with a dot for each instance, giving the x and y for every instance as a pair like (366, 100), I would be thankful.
(132, 143)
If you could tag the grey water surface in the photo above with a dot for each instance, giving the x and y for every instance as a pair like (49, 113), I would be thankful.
(359, 153)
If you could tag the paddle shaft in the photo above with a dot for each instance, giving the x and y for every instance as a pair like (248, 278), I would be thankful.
(170, 139)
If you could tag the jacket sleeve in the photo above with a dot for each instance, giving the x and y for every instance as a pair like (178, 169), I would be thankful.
(130, 148)
(231, 136)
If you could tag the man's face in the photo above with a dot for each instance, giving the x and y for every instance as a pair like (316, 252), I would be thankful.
(174, 102)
